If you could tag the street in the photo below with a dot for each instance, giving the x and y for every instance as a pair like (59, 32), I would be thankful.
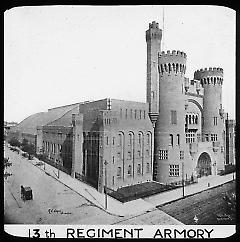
(204, 207)
(55, 203)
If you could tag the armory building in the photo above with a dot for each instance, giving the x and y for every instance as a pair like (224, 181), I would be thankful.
(179, 133)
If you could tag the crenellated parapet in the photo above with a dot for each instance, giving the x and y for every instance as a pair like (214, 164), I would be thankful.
(153, 32)
(209, 76)
(173, 53)
(172, 62)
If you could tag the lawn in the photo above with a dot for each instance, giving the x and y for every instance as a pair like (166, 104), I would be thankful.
(133, 192)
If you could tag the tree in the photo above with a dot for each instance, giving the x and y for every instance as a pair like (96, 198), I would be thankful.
(7, 164)
(28, 148)
(14, 142)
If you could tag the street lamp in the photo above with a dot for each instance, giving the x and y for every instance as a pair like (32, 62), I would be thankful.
(105, 163)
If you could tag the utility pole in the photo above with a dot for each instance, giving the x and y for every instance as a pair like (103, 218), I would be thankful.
(105, 163)
(227, 141)
(183, 177)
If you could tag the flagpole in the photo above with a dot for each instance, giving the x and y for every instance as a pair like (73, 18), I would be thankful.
(163, 28)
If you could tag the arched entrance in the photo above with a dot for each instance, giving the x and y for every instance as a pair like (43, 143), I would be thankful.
(204, 165)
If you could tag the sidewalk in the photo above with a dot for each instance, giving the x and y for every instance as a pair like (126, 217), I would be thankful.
(202, 185)
(114, 207)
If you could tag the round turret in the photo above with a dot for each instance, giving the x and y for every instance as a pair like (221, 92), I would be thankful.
(209, 76)
(213, 121)
(170, 126)
(173, 62)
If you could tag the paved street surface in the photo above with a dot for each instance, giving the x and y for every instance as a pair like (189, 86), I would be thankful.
(205, 206)
(55, 203)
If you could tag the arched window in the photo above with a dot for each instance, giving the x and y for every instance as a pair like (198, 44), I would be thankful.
(148, 138)
(140, 143)
(208, 81)
(121, 144)
(189, 119)
(186, 119)
(193, 119)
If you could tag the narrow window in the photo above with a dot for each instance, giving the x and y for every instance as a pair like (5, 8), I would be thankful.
(119, 171)
(113, 141)
(148, 168)
(129, 170)
(173, 117)
(196, 120)
(189, 119)
(129, 155)
(181, 154)
(178, 139)
(171, 140)
(139, 169)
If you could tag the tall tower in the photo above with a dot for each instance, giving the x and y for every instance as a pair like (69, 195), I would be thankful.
(213, 119)
(170, 142)
(153, 38)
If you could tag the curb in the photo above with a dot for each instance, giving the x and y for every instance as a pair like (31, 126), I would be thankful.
(163, 204)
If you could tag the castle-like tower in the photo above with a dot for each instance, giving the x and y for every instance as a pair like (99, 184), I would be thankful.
(153, 38)
(170, 143)
(187, 116)
(213, 119)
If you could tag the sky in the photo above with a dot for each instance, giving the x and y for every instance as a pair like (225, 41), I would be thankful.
(59, 55)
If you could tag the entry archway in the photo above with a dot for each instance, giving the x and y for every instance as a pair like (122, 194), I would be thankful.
(204, 165)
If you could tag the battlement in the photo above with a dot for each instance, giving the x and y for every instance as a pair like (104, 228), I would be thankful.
(153, 32)
(172, 62)
(172, 53)
(211, 71)
(153, 25)
(211, 75)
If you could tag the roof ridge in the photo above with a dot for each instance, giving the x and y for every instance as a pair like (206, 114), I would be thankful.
(61, 116)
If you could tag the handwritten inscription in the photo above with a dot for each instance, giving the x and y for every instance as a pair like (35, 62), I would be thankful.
(57, 211)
